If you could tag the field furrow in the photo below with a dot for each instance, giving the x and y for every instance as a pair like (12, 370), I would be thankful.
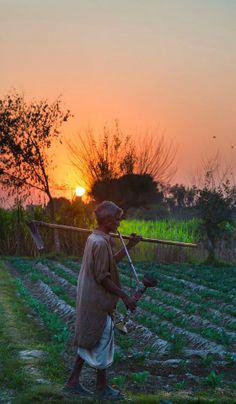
(57, 279)
(191, 322)
(161, 297)
(174, 334)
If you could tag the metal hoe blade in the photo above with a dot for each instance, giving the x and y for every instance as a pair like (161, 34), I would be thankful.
(35, 235)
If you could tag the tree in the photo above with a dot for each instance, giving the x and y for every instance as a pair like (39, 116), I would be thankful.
(130, 190)
(27, 131)
(113, 155)
(216, 207)
(180, 196)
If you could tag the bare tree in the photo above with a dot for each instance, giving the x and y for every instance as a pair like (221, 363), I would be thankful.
(156, 158)
(113, 154)
(213, 172)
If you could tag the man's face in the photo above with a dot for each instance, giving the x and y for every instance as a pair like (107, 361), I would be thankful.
(113, 223)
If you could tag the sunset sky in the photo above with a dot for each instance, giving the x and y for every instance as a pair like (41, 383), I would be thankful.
(167, 66)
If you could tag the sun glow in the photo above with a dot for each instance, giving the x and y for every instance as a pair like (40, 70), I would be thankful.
(80, 191)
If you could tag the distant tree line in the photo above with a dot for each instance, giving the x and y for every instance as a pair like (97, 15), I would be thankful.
(215, 209)
(114, 166)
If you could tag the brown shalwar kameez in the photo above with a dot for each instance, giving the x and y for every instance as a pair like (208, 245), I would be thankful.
(94, 303)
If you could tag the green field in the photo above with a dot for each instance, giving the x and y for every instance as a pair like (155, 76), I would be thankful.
(181, 343)
(186, 231)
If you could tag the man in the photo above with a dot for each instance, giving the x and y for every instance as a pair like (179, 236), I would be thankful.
(98, 291)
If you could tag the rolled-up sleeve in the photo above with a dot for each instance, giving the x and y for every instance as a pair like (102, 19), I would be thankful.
(101, 261)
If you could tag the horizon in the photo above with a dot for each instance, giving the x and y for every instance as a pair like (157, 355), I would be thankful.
(163, 67)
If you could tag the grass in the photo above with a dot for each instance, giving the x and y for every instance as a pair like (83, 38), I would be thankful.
(18, 332)
(186, 231)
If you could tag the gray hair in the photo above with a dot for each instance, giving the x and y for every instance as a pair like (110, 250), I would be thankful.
(106, 209)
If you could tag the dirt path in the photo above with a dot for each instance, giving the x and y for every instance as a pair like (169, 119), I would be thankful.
(23, 348)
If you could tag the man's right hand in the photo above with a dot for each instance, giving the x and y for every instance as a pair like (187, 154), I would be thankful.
(130, 303)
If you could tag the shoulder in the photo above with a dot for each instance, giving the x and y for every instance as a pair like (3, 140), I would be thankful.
(97, 241)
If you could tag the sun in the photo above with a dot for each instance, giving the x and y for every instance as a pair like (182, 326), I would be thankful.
(80, 191)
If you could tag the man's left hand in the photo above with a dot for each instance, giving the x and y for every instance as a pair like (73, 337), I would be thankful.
(134, 239)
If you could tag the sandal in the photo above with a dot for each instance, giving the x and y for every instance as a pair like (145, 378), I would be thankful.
(108, 393)
(78, 389)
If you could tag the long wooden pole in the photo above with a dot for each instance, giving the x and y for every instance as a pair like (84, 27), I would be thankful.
(81, 230)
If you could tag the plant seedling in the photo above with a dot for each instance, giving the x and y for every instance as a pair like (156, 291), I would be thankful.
(118, 380)
(207, 361)
(213, 379)
(180, 385)
(177, 343)
(140, 377)
(117, 356)
(124, 341)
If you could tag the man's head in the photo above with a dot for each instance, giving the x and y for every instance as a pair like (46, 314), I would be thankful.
(108, 215)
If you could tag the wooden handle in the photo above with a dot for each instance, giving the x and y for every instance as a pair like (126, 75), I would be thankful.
(145, 239)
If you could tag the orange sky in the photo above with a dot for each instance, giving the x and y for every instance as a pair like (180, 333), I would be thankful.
(163, 65)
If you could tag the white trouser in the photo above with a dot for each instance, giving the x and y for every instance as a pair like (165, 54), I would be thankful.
(101, 356)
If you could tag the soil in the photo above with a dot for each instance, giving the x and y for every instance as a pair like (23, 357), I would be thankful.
(166, 371)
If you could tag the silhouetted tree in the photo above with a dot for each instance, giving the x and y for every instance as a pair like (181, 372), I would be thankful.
(113, 155)
(216, 207)
(181, 196)
(131, 190)
(27, 131)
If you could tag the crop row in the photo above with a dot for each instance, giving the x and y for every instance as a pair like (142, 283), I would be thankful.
(208, 275)
(217, 334)
(214, 278)
(196, 296)
(159, 324)
(197, 307)
(179, 319)
(175, 304)
(50, 282)
(183, 286)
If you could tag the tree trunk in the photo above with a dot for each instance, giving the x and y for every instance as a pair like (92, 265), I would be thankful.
(211, 250)
(57, 246)
(18, 231)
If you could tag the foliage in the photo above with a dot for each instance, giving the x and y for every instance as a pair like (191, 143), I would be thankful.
(131, 190)
(27, 131)
(118, 380)
(14, 233)
(208, 361)
(216, 208)
(181, 196)
(181, 385)
(213, 379)
(140, 377)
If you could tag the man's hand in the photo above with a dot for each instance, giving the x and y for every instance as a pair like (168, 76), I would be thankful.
(111, 287)
(129, 303)
(135, 239)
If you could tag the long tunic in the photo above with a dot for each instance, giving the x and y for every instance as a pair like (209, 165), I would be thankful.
(94, 302)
